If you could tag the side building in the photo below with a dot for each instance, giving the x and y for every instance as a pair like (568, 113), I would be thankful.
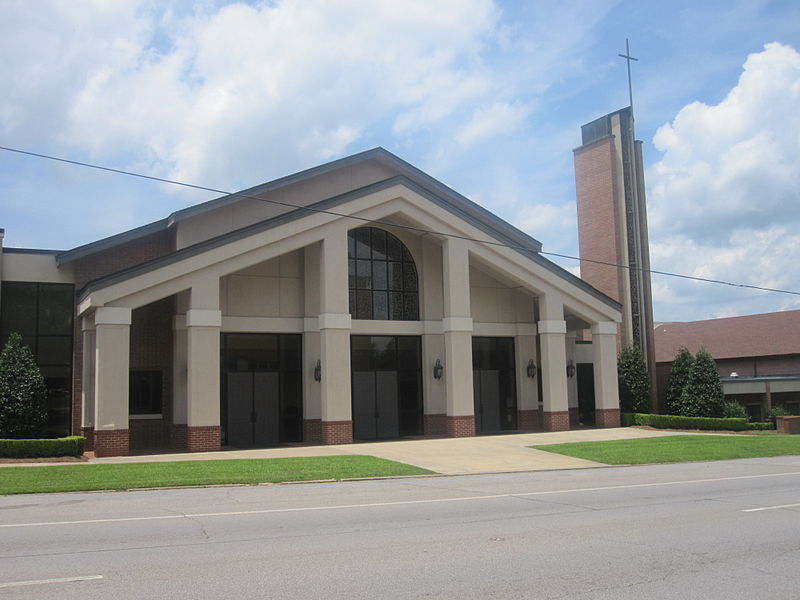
(349, 301)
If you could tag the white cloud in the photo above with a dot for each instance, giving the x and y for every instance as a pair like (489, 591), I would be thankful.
(497, 119)
(723, 198)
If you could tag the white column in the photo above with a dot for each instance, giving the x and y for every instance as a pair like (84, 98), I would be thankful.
(334, 340)
(552, 339)
(111, 381)
(527, 389)
(88, 373)
(457, 327)
(606, 389)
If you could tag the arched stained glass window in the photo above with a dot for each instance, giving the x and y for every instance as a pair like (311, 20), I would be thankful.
(382, 278)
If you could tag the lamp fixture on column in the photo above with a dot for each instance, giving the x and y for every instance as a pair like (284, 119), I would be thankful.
(318, 371)
(570, 368)
(531, 369)
(438, 369)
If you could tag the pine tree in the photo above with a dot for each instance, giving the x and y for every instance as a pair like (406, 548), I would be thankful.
(702, 395)
(634, 384)
(23, 396)
(678, 376)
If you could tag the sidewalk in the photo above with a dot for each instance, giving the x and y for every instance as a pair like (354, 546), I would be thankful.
(450, 456)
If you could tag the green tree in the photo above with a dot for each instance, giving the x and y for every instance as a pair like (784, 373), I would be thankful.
(702, 395)
(678, 376)
(23, 396)
(634, 384)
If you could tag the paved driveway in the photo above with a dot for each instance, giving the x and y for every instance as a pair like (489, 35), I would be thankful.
(482, 454)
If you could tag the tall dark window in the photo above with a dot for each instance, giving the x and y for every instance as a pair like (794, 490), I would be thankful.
(144, 396)
(42, 314)
(382, 278)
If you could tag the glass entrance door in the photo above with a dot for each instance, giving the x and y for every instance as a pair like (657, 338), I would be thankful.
(386, 386)
(494, 383)
(261, 389)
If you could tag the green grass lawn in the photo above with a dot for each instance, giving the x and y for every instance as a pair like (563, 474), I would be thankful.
(70, 478)
(679, 448)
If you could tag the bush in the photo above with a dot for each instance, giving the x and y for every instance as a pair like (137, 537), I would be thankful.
(634, 384)
(733, 410)
(756, 426)
(66, 446)
(23, 396)
(677, 422)
(678, 377)
(702, 395)
(777, 411)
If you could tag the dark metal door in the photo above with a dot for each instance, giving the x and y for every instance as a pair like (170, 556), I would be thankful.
(494, 383)
(585, 374)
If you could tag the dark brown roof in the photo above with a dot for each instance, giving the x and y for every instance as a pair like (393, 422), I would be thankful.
(767, 334)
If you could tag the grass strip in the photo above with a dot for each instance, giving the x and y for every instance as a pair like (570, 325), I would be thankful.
(679, 448)
(121, 476)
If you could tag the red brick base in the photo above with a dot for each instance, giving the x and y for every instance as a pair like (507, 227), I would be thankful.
(88, 433)
(529, 420)
(463, 426)
(336, 432)
(111, 442)
(177, 436)
(203, 439)
(574, 417)
(555, 421)
(435, 425)
(312, 431)
(606, 417)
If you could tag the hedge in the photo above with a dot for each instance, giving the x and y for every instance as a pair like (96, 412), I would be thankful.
(676, 422)
(66, 446)
(761, 426)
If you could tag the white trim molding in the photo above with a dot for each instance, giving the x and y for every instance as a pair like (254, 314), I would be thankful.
(203, 317)
(552, 326)
(112, 315)
(604, 328)
(335, 321)
(457, 324)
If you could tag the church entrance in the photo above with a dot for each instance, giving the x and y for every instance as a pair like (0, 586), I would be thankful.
(262, 397)
(386, 386)
(494, 383)
(585, 374)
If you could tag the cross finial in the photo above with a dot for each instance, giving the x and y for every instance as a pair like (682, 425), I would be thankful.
(627, 56)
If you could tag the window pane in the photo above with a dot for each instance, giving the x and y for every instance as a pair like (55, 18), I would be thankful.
(363, 305)
(352, 304)
(396, 306)
(351, 244)
(384, 354)
(364, 272)
(379, 275)
(55, 309)
(145, 392)
(409, 277)
(380, 304)
(55, 350)
(19, 308)
(410, 307)
(363, 243)
(395, 276)
(351, 274)
(407, 255)
(291, 358)
(378, 244)
(393, 247)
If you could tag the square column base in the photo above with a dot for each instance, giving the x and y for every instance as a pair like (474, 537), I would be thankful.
(177, 436)
(336, 432)
(529, 420)
(206, 438)
(88, 433)
(463, 426)
(435, 424)
(606, 417)
(111, 442)
(555, 421)
(312, 431)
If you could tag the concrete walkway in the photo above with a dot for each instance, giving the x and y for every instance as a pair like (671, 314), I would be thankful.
(451, 456)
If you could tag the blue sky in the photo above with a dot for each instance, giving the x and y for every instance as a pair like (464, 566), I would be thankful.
(486, 96)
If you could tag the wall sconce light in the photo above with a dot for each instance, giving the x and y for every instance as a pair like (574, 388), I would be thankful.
(438, 369)
(318, 371)
(531, 369)
(570, 368)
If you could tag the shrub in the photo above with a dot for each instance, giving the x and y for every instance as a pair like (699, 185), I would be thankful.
(757, 426)
(778, 411)
(23, 408)
(678, 422)
(733, 410)
(634, 384)
(702, 395)
(66, 446)
(678, 377)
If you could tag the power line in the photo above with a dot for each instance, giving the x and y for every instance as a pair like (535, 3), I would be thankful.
(397, 225)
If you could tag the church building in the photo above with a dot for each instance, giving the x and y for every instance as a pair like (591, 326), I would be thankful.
(358, 300)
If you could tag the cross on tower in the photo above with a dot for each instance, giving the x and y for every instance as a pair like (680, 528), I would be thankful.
(627, 56)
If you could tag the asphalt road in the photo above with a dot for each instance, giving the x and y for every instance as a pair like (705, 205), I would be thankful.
(703, 530)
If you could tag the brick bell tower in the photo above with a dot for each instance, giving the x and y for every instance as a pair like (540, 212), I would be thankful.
(612, 226)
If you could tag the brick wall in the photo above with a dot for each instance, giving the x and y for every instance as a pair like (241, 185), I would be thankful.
(312, 431)
(555, 421)
(606, 417)
(111, 442)
(336, 432)
(435, 425)
(99, 265)
(463, 426)
(203, 439)
(530, 420)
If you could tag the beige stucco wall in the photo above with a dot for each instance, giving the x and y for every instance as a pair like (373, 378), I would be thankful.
(246, 212)
(274, 288)
(19, 266)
